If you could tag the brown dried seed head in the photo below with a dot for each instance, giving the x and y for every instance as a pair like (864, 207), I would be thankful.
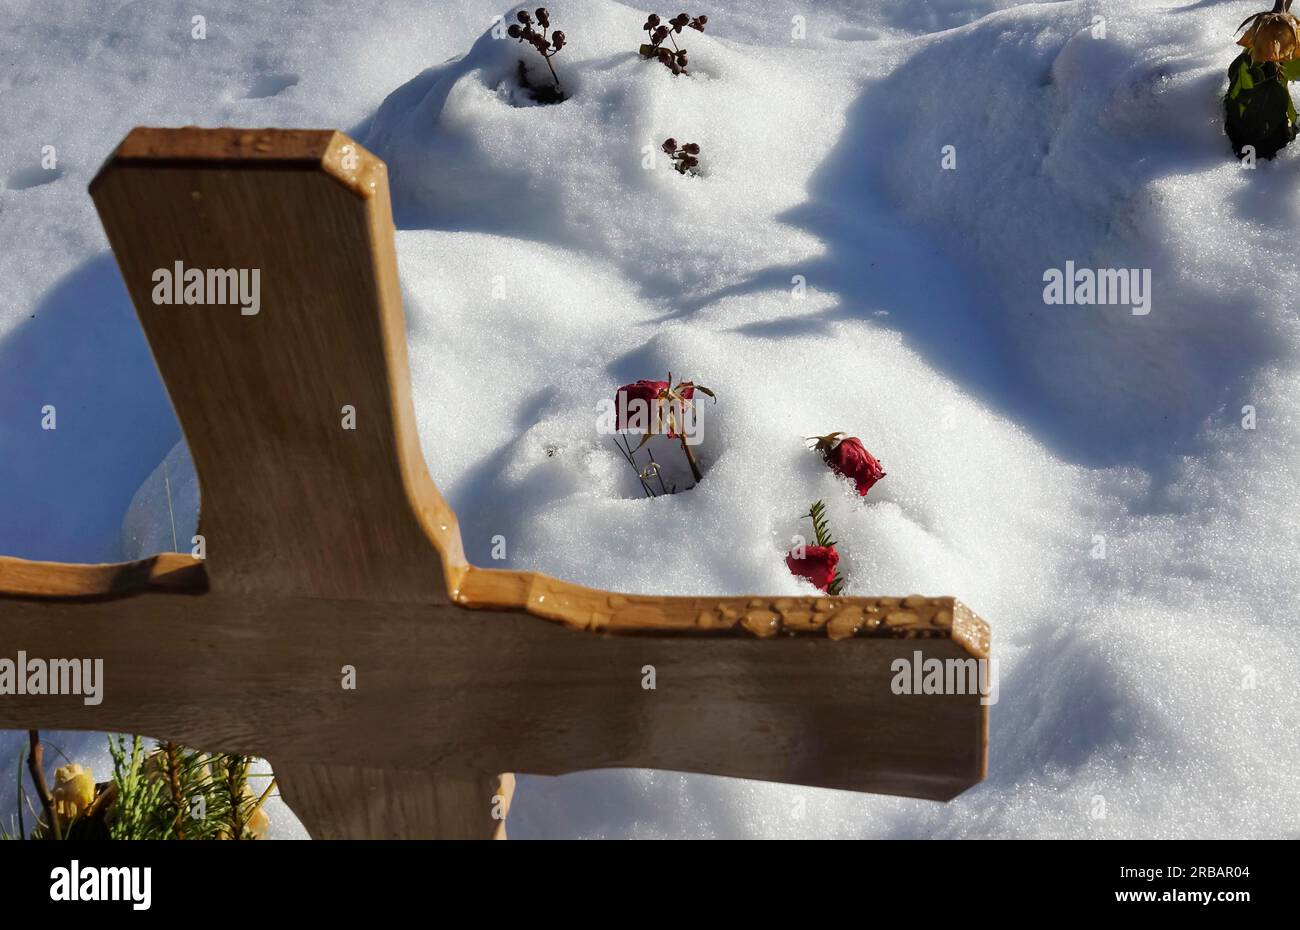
(543, 17)
(523, 16)
(691, 148)
(670, 145)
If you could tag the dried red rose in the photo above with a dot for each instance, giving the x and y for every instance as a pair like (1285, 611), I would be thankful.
(651, 392)
(848, 457)
(817, 565)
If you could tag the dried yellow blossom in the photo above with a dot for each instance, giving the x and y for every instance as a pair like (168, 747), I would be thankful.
(1271, 36)
(74, 789)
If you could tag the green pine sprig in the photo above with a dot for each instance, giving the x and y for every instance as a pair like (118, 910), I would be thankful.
(178, 793)
(171, 793)
(822, 532)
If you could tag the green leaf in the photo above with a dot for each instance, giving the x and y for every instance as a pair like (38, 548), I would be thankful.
(1243, 81)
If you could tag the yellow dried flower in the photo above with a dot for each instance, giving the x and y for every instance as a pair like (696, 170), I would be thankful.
(1271, 36)
(74, 789)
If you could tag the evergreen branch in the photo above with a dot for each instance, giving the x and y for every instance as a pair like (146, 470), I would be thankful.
(236, 778)
(172, 761)
(135, 795)
(820, 529)
(822, 532)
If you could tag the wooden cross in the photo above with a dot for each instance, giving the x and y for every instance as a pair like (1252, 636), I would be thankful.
(329, 547)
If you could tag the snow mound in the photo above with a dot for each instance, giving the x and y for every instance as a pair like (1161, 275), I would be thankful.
(589, 174)
(1101, 145)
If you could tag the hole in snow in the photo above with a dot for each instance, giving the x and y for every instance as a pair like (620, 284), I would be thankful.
(532, 87)
(26, 178)
(660, 468)
(268, 85)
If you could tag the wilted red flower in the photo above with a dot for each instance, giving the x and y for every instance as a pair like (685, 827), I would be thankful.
(665, 408)
(817, 565)
(652, 393)
(848, 457)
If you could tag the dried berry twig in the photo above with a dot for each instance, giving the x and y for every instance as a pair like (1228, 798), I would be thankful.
(674, 60)
(686, 157)
(547, 45)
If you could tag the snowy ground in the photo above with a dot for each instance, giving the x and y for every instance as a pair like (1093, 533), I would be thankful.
(543, 266)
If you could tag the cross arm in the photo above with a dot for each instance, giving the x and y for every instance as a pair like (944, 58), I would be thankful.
(548, 678)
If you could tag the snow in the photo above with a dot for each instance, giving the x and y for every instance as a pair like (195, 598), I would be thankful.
(542, 266)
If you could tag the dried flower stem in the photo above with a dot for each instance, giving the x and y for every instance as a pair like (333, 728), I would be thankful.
(690, 459)
(626, 451)
(35, 763)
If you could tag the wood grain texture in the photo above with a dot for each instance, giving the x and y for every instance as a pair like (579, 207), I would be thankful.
(167, 571)
(439, 688)
(291, 500)
(329, 547)
(340, 802)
